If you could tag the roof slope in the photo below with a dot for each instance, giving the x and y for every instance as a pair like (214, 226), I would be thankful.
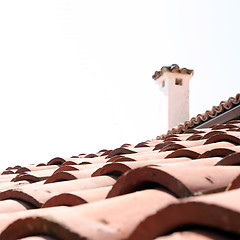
(184, 186)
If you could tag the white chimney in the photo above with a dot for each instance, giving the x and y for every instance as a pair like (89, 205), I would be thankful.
(174, 87)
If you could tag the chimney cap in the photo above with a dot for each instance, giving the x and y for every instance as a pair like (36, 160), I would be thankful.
(174, 68)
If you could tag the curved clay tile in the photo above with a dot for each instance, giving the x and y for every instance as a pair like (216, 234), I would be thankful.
(196, 234)
(211, 133)
(20, 195)
(111, 169)
(27, 177)
(196, 163)
(98, 220)
(69, 163)
(175, 180)
(41, 168)
(56, 161)
(84, 163)
(35, 176)
(60, 177)
(235, 122)
(13, 205)
(213, 211)
(120, 151)
(222, 126)
(231, 126)
(235, 184)
(118, 168)
(145, 177)
(223, 137)
(194, 131)
(233, 130)
(148, 155)
(195, 152)
(63, 168)
(65, 176)
(64, 199)
(77, 197)
(38, 237)
(125, 145)
(174, 68)
(120, 159)
(159, 146)
(91, 160)
(231, 159)
(172, 147)
(183, 153)
(9, 168)
(11, 185)
(17, 167)
(171, 139)
(218, 152)
(141, 144)
(105, 153)
(37, 225)
(91, 155)
(37, 194)
(182, 144)
(7, 178)
(23, 170)
(194, 137)
(41, 164)
(102, 150)
(6, 172)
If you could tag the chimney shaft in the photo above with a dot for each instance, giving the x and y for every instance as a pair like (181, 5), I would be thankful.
(174, 87)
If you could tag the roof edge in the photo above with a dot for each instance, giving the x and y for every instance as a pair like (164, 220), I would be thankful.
(225, 111)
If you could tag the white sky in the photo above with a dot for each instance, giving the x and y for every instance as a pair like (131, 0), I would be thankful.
(76, 76)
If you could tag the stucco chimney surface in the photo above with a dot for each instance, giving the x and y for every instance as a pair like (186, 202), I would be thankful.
(174, 99)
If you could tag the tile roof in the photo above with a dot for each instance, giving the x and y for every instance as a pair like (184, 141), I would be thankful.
(194, 122)
(183, 186)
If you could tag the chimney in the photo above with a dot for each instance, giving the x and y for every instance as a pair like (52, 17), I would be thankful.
(174, 87)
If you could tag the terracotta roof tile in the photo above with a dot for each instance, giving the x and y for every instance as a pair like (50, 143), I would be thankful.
(186, 186)
(197, 235)
(205, 211)
(37, 238)
(174, 68)
(97, 220)
(175, 180)
(78, 197)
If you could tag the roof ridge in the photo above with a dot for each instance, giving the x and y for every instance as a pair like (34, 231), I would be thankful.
(200, 118)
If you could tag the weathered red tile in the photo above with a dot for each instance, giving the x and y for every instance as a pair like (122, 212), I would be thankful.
(99, 220)
(70, 175)
(231, 159)
(78, 197)
(195, 152)
(198, 235)
(175, 180)
(38, 194)
(118, 168)
(219, 211)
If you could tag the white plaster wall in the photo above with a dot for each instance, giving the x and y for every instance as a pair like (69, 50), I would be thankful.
(178, 100)
(174, 99)
(164, 105)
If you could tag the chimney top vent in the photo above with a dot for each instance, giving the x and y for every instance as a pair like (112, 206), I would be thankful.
(174, 68)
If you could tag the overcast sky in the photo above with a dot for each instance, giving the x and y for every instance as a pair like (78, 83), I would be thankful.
(76, 76)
